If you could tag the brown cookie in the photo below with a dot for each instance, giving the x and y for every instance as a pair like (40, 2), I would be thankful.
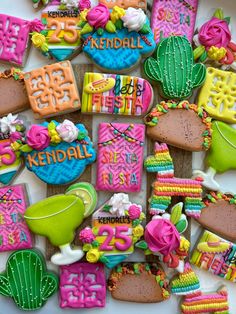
(13, 92)
(138, 282)
(181, 125)
(219, 215)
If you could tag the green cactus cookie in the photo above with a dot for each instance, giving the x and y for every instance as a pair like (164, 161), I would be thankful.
(26, 280)
(174, 68)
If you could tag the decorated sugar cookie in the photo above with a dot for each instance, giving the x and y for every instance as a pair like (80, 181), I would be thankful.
(11, 138)
(14, 38)
(167, 185)
(14, 233)
(57, 218)
(120, 157)
(82, 285)
(215, 255)
(126, 279)
(116, 226)
(27, 281)
(182, 124)
(173, 68)
(218, 95)
(173, 18)
(221, 155)
(213, 41)
(52, 90)
(125, 4)
(53, 149)
(116, 94)
(116, 41)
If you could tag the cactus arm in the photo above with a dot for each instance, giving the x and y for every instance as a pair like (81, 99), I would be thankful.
(49, 285)
(4, 286)
(198, 74)
(152, 69)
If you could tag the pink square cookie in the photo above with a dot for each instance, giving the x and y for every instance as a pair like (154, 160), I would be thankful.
(82, 285)
(14, 36)
(120, 157)
(14, 233)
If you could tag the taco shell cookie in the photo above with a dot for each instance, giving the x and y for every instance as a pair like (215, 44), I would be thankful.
(181, 125)
(137, 282)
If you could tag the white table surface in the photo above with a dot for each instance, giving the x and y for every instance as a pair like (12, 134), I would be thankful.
(37, 189)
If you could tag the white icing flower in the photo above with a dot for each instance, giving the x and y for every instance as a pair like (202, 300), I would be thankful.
(67, 131)
(8, 123)
(134, 19)
(70, 4)
(120, 203)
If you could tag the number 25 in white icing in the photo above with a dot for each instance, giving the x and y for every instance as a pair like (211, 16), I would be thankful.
(105, 246)
(69, 26)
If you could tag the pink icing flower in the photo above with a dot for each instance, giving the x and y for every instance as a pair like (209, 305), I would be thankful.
(162, 236)
(214, 33)
(36, 26)
(84, 4)
(98, 16)
(134, 212)
(86, 235)
(38, 137)
(15, 136)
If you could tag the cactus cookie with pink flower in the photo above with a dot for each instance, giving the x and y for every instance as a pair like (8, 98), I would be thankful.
(116, 40)
(58, 153)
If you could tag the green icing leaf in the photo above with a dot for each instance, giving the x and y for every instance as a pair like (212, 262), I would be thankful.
(219, 14)
(141, 245)
(145, 29)
(227, 19)
(182, 225)
(176, 213)
(95, 243)
(106, 208)
(104, 259)
(26, 149)
(44, 21)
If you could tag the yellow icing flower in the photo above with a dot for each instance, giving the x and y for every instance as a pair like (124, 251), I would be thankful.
(184, 244)
(216, 54)
(55, 138)
(138, 231)
(15, 146)
(116, 14)
(38, 39)
(93, 255)
(83, 15)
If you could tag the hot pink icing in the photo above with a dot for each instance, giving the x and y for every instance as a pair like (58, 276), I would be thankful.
(84, 4)
(214, 33)
(36, 26)
(98, 16)
(86, 235)
(162, 236)
(82, 285)
(38, 137)
(134, 211)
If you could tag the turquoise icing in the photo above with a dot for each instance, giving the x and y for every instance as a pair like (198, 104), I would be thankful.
(122, 58)
(67, 170)
(61, 54)
(114, 260)
(6, 178)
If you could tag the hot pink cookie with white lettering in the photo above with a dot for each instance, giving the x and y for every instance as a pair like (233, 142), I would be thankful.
(120, 157)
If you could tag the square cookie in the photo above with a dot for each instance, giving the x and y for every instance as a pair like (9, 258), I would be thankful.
(14, 233)
(14, 36)
(82, 285)
(52, 90)
(125, 4)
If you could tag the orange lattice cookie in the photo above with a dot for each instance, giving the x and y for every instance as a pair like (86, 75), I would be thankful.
(52, 90)
(125, 4)
(218, 95)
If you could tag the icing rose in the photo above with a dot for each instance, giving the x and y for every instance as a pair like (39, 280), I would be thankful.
(93, 255)
(36, 26)
(134, 211)
(84, 4)
(67, 131)
(98, 16)
(134, 19)
(117, 14)
(15, 136)
(138, 231)
(214, 33)
(37, 137)
(86, 235)
(161, 236)
(38, 40)
(120, 203)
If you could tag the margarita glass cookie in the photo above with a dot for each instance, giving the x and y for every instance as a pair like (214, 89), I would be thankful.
(126, 279)
(53, 149)
(11, 139)
(180, 124)
(27, 281)
(173, 18)
(162, 237)
(116, 41)
(221, 155)
(116, 94)
(57, 218)
(173, 68)
(14, 38)
(167, 185)
(213, 42)
(116, 227)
